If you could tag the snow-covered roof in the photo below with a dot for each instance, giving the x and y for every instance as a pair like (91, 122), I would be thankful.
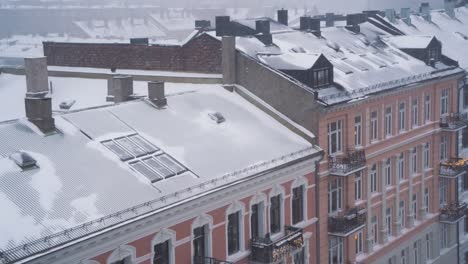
(79, 180)
(125, 28)
(290, 61)
(364, 63)
(410, 42)
(452, 32)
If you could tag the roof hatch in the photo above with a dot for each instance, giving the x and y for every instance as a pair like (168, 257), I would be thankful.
(24, 160)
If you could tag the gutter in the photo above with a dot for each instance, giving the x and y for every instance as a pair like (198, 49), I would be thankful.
(317, 209)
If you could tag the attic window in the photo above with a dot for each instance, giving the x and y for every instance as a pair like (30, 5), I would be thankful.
(24, 160)
(434, 54)
(217, 117)
(321, 77)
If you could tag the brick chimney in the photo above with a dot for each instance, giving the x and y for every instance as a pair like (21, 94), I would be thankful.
(353, 21)
(38, 103)
(229, 59)
(202, 24)
(304, 23)
(223, 26)
(283, 17)
(157, 93)
(120, 88)
(314, 26)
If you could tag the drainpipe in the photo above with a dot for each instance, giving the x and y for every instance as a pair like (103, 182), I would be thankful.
(317, 209)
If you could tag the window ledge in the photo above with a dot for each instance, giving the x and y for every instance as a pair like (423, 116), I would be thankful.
(238, 256)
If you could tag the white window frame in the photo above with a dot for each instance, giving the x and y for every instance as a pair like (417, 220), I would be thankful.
(443, 191)
(373, 179)
(414, 206)
(300, 182)
(374, 128)
(235, 207)
(427, 199)
(375, 230)
(427, 155)
(259, 198)
(429, 246)
(427, 108)
(401, 167)
(388, 121)
(358, 186)
(415, 112)
(337, 135)
(358, 131)
(339, 194)
(277, 190)
(388, 221)
(444, 239)
(404, 256)
(162, 236)
(359, 243)
(444, 102)
(401, 117)
(336, 247)
(414, 161)
(401, 214)
(200, 221)
(443, 147)
(388, 172)
(416, 252)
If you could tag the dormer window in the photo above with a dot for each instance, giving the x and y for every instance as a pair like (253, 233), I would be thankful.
(321, 77)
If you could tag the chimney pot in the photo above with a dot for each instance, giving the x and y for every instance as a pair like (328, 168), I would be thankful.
(283, 17)
(157, 93)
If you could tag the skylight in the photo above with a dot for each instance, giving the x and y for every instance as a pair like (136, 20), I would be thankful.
(145, 158)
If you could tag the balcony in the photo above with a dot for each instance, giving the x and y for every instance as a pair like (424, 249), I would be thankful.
(208, 260)
(264, 250)
(351, 162)
(453, 122)
(453, 167)
(452, 212)
(347, 224)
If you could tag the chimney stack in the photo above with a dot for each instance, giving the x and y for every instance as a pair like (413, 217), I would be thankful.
(425, 11)
(390, 14)
(450, 7)
(283, 17)
(353, 21)
(329, 19)
(304, 23)
(314, 26)
(262, 29)
(229, 59)
(120, 88)
(406, 15)
(37, 102)
(157, 93)
(223, 26)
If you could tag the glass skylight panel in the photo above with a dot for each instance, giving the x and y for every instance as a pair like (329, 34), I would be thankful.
(343, 68)
(171, 164)
(119, 151)
(145, 171)
(148, 147)
(130, 146)
(159, 168)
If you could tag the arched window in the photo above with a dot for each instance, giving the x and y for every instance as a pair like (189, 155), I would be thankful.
(162, 247)
(258, 205)
(299, 200)
(276, 210)
(125, 254)
(235, 228)
(202, 228)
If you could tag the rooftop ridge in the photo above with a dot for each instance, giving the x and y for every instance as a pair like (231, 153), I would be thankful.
(145, 209)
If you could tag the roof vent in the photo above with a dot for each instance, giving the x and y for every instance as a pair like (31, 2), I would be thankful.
(23, 160)
(217, 117)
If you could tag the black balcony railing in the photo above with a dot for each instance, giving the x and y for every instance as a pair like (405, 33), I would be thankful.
(453, 167)
(208, 260)
(343, 225)
(454, 121)
(264, 250)
(452, 212)
(350, 162)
